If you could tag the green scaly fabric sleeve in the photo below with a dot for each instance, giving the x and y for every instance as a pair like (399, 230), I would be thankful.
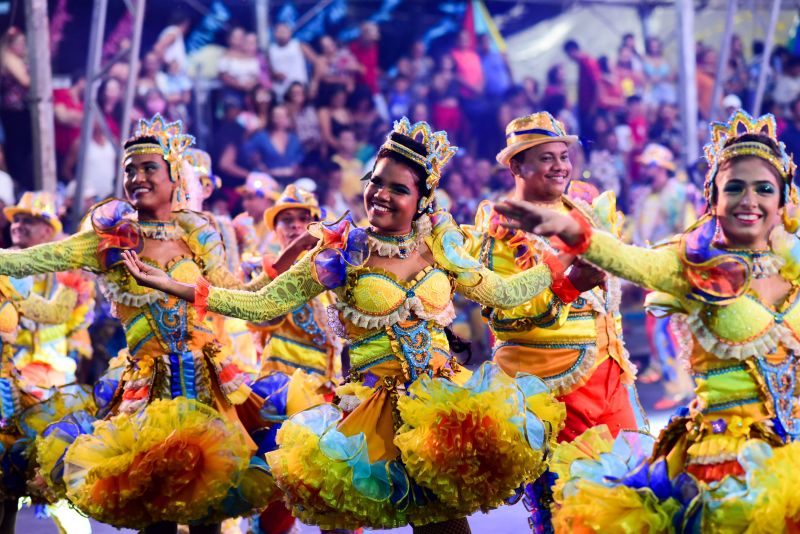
(56, 310)
(286, 293)
(658, 269)
(78, 251)
(496, 291)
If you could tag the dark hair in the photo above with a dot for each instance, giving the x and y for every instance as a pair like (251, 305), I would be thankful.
(552, 73)
(752, 138)
(415, 146)
(571, 46)
(458, 344)
(758, 48)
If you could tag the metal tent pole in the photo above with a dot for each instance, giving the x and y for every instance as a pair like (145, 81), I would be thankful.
(688, 78)
(92, 82)
(41, 95)
(722, 58)
(130, 87)
(768, 42)
(262, 24)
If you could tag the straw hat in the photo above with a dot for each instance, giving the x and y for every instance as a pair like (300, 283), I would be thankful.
(292, 198)
(658, 155)
(39, 204)
(533, 130)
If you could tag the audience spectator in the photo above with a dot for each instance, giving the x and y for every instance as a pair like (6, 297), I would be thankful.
(15, 81)
(629, 73)
(334, 117)
(706, 73)
(100, 169)
(260, 100)
(335, 68)
(151, 65)
(240, 69)
(787, 83)
(589, 78)
(288, 60)
(227, 140)
(171, 46)
(109, 100)
(791, 134)
(659, 76)
(68, 113)
(369, 126)
(422, 64)
(445, 109)
(175, 86)
(277, 150)
(304, 117)
(352, 168)
(365, 52)
(400, 97)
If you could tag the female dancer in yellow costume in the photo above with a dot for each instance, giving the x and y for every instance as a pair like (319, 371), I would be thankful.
(414, 437)
(729, 462)
(175, 447)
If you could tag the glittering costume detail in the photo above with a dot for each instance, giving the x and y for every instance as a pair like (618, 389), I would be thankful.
(400, 246)
(179, 394)
(733, 444)
(393, 450)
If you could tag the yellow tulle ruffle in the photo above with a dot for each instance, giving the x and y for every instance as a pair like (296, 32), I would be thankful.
(602, 510)
(175, 461)
(465, 444)
(589, 445)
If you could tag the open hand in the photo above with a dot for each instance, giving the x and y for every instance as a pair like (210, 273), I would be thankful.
(145, 275)
(542, 221)
(304, 241)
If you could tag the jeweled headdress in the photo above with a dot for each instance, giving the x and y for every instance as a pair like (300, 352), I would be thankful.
(172, 146)
(437, 146)
(715, 275)
(741, 123)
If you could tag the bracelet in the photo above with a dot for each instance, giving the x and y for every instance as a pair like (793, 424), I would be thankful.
(561, 286)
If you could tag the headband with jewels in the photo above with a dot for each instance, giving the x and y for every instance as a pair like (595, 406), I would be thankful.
(438, 148)
(742, 123)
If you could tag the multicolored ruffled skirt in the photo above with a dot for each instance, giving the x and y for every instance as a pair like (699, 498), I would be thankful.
(175, 459)
(609, 485)
(435, 452)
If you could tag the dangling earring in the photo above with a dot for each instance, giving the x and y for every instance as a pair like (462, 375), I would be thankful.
(421, 206)
(717, 228)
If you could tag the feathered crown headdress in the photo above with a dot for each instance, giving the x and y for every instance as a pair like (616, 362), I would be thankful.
(741, 123)
(438, 148)
(172, 146)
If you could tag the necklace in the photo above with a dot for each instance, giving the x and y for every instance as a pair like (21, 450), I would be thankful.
(161, 230)
(400, 246)
(763, 263)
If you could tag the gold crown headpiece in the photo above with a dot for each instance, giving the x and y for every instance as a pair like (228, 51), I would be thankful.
(438, 148)
(741, 123)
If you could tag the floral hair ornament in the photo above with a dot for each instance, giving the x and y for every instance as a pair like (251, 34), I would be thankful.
(172, 146)
(438, 148)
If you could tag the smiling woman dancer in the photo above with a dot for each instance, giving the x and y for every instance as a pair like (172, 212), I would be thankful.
(413, 438)
(174, 448)
(729, 462)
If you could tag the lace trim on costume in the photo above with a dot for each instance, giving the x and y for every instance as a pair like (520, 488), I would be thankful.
(777, 334)
(711, 460)
(563, 383)
(683, 335)
(401, 249)
(162, 231)
(411, 305)
(114, 293)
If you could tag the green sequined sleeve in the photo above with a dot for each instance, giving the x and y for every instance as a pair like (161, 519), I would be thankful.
(286, 293)
(56, 310)
(222, 277)
(496, 291)
(78, 251)
(658, 269)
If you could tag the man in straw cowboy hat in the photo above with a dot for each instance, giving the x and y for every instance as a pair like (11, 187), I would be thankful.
(46, 354)
(571, 335)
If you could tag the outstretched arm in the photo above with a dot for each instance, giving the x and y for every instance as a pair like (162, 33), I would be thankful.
(657, 269)
(496, 291)
(75, 252)
(284, 294)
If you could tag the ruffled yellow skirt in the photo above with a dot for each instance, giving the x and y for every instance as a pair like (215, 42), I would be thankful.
(459, 449)
(175, 461)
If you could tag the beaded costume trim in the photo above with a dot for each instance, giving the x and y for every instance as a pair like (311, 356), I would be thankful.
(400, 246)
